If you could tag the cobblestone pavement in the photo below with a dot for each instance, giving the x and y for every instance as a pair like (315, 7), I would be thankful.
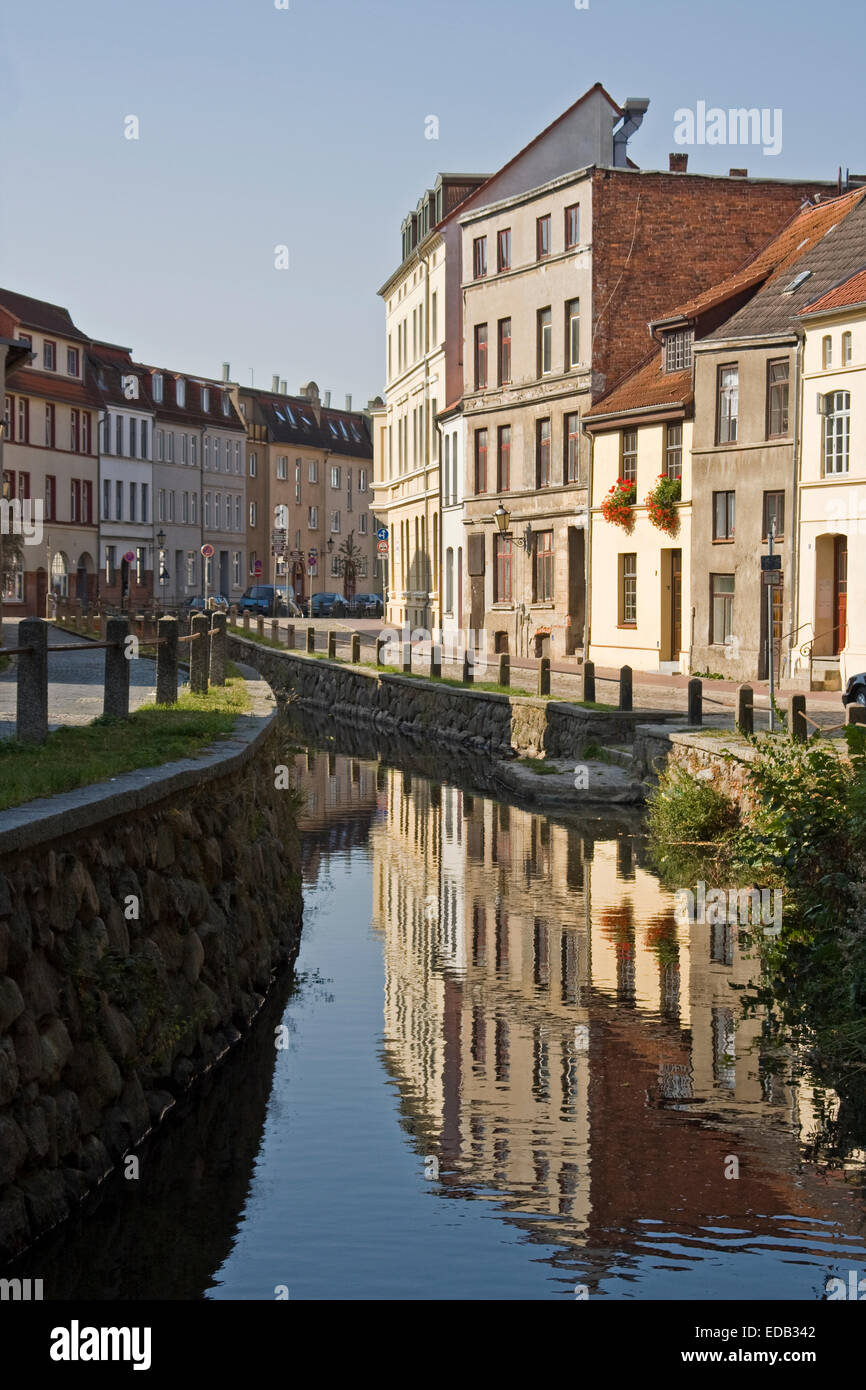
(651, 691)
(75, 683)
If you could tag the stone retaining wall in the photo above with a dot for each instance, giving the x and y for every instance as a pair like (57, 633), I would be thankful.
(141, 922)
(504, 725)
(722, 761)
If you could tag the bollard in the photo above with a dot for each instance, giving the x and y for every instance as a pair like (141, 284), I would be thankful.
(381, 644)
(356, 648)
(504, 669)
(332, 645)
(32, 697)
(544, 675)
(115, 702)
(407, 658)
(695, 701)
(854, 714)
(166, 661)
(745, 718)
(436, 661)
(246, 621)
(797, 718)
(218, 649)
(198, 654)
(588, 695)
(625, 688)
(311, 640)
(275, 630)
(233, 615)
(290, 637)
(468, 669)
(260, 626)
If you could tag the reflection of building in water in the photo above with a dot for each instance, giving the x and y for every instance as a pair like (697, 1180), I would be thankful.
(341, 797)
(557, 1036)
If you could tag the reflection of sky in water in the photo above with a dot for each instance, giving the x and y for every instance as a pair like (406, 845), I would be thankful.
(567, 1065)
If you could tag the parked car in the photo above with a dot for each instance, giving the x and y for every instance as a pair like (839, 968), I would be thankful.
(263, 599)
(215, 602)
(287, 597)
(328, 605)
(367, 606)
(855, 691)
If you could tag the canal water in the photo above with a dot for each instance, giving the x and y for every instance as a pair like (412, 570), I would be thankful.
(505, 1071)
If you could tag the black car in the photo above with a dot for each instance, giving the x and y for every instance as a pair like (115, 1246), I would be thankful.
(855, 691)
(328, 605)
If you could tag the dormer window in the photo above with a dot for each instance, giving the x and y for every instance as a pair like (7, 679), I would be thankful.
(205, 398)
(225, 402)
(157, 387)
(72, 361)
(678, 349)
(180, 391)
(49, 355)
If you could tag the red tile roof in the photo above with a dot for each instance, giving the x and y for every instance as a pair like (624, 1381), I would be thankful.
(645, 386)
(850, 292)
(804, 230)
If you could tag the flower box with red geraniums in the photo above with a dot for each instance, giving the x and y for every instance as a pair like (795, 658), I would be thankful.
(661, 504)
(618, 504)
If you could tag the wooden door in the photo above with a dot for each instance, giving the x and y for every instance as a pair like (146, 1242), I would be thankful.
(676, 603)
(840, 592)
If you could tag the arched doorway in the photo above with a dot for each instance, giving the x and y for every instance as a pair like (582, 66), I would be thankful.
(60, 574)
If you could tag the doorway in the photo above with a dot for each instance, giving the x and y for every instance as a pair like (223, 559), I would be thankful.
(676, 604)
(840, 592)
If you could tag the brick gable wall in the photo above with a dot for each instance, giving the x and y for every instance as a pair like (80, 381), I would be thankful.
(689, 231)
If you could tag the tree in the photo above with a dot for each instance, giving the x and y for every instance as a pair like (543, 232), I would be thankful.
(349, 557)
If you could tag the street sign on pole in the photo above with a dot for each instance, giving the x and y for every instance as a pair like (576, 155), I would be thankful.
(771, 562)
(207, 551)
(382, 547)
(772, 576)
(382, 533)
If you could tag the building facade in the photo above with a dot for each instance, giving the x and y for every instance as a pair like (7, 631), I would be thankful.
(125, 478)
(832, 510)
(310, 484)
(51, 453)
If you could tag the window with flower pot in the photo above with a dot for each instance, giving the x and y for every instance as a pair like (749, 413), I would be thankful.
(674, 451)
(628, 456)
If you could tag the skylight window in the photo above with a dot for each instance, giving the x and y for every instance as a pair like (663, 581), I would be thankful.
(343, 428)
(290, 415)
(797, 281)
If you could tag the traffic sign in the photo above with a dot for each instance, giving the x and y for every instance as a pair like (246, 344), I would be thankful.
(129, 556)
(207, 551)
(382, 547)
(771, 576)
(314, 552)
(382, 533)
(312, 559)
(258, 566)
(771, 562)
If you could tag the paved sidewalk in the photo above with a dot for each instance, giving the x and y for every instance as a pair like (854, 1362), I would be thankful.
(75, 682)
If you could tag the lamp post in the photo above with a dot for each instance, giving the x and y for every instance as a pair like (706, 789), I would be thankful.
(163, 574)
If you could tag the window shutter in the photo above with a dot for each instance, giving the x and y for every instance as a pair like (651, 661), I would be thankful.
(822, 404)
(475, 555)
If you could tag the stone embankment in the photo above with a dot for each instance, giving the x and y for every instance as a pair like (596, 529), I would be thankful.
(505, 726)
(141, 923)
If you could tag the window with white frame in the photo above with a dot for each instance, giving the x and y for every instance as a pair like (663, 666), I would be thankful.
(335, 522)
(253, 513)
(312, 471)
(335, 477)
(207, 502)
(180, 391)
(362, 480)
(362, 524)
(312, 518)
(254, 463)
(236, 569)
(157, 387)
(282, 468)
(837, 431)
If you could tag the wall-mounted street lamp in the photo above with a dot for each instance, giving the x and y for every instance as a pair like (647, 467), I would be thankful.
(503, 520)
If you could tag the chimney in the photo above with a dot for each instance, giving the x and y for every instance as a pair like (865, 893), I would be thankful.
(738, 173)
(327, 399)
(678, 163)
(348, 402)
(284, 388)
(227, 371)
(275, 384)
(633, 112)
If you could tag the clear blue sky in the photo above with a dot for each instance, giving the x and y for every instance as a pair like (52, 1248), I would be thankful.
(305, 126)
